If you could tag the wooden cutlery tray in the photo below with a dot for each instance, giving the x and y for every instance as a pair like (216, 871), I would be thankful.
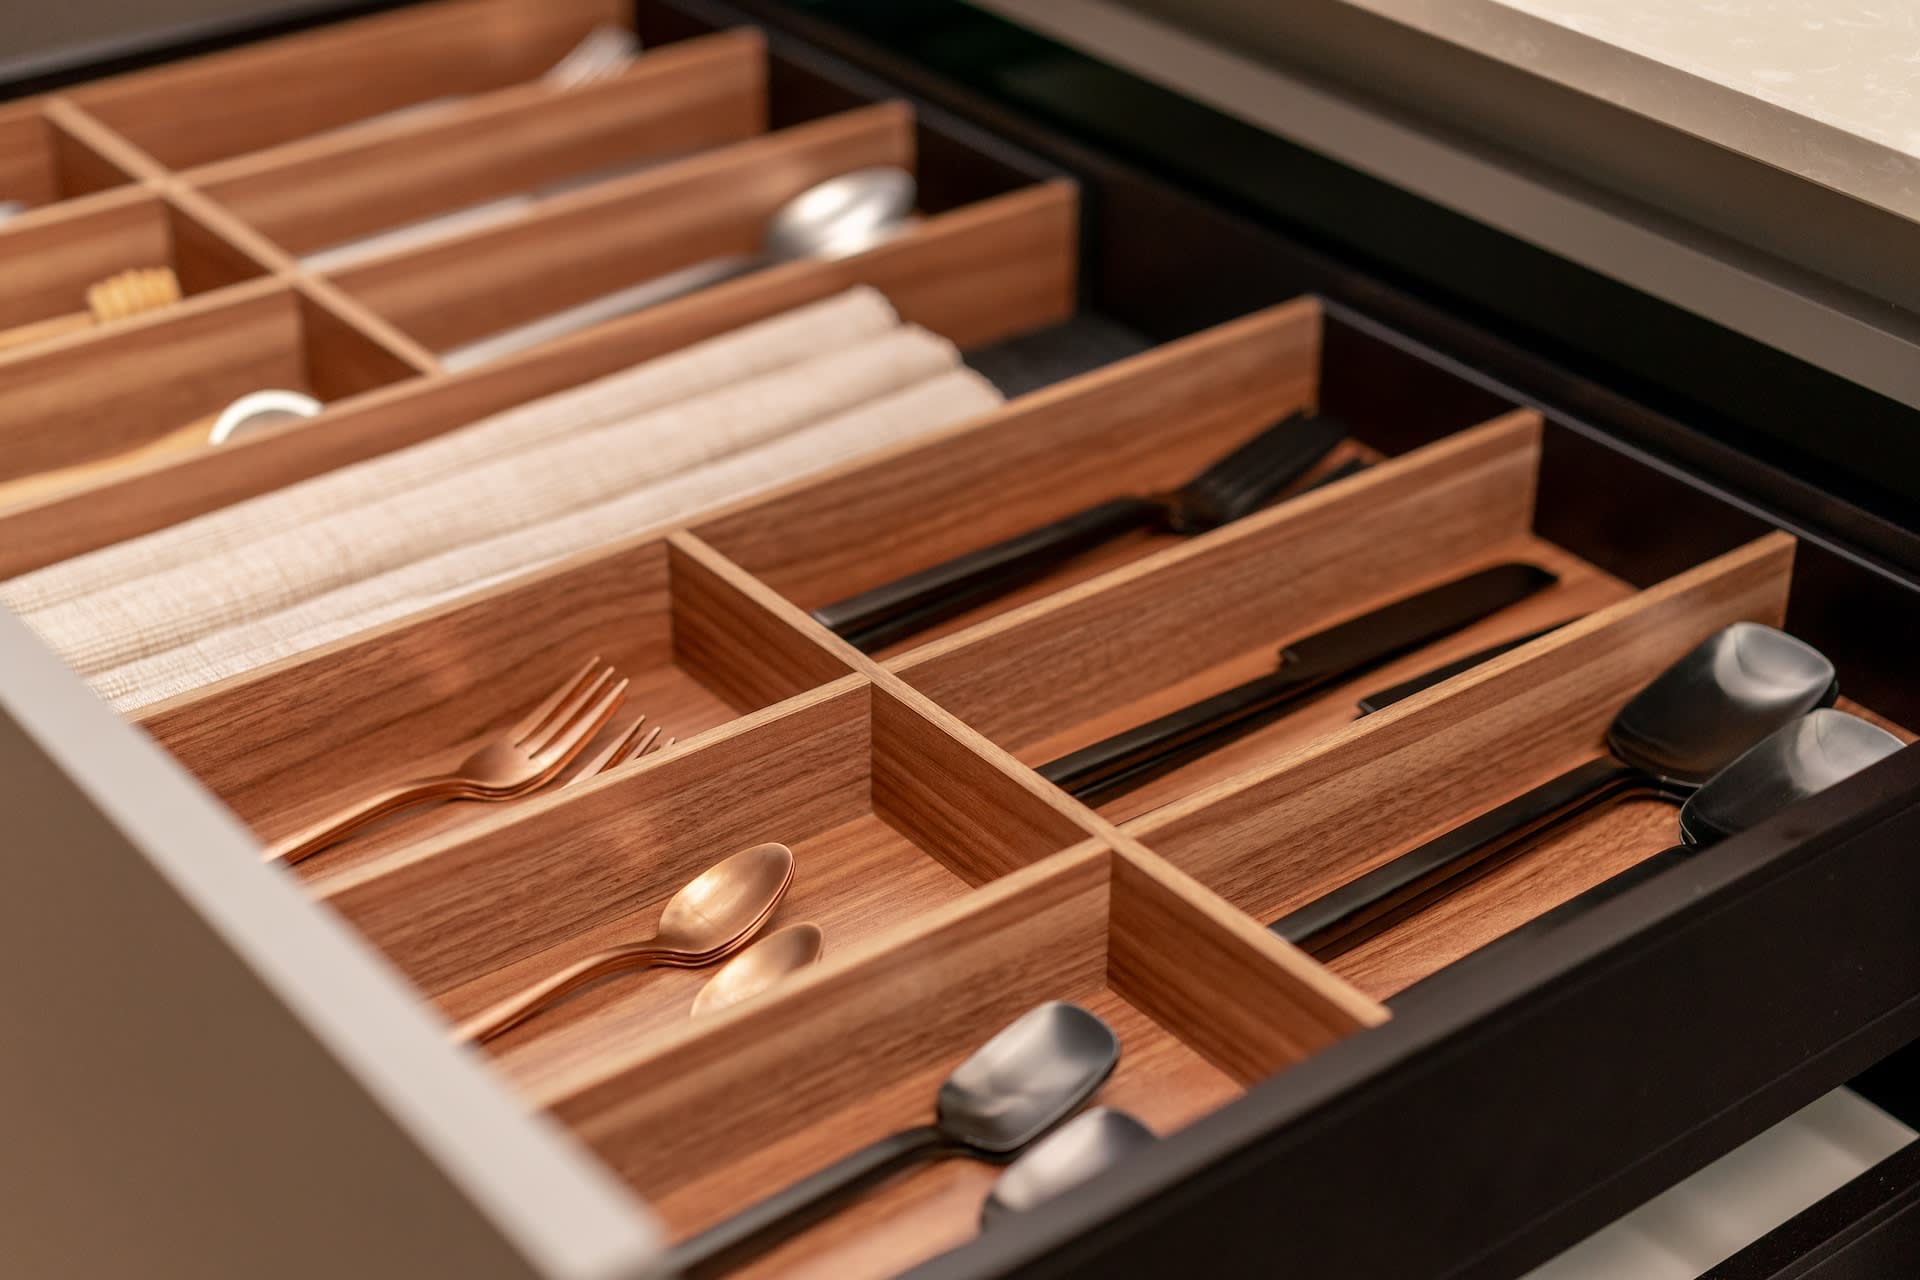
(956, 888)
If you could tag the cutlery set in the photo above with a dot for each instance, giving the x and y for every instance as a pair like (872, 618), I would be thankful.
(961, 884)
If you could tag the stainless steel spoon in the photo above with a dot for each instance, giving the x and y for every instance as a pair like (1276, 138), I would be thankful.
(1016, 1087)
(832, 219)
(1090, 1143)
(1689, 722)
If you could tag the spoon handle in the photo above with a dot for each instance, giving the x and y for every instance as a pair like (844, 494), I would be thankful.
(180, 440)
(549, 991)
(1335, 922)
(883, 614)
(761, 1226)
(341, 823)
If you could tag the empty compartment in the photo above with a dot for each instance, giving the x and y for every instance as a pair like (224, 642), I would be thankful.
(887, 818)
(711, 1118)
(287, 744)
(189, 113)
(594, 242)
(49, 264)
(350, 197)
(1143, 425)
(1294, 828)
(41, 162)
(1199, 618)
(87, 400)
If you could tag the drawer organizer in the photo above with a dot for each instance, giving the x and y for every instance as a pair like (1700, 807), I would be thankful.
(956, 888)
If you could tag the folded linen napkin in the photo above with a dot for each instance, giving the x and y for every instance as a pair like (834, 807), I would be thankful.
(946, 398)
(748, 352)
(170, 608)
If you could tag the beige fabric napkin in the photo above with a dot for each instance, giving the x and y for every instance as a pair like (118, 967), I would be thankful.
(175, 606)
(939, 401)
(756, 349)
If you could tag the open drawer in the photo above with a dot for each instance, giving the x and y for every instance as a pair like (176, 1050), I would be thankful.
(1403, 1107)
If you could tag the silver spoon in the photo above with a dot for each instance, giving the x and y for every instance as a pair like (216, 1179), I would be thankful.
(833, 219)
(259, 409)
(1090, 1143)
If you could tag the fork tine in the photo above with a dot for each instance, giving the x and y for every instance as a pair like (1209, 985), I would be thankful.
(536, 719)
(573, 739)
(610, 756)
(561, 720)
(638, 749)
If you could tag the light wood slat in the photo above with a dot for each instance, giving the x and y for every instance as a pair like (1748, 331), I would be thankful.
(924, 273)
(49, 261)
(1284, 833)
(49, 155)
(1140, 425)
(590, 242)
(89, 156)
(324, 191)
(725, 636)
(188, 113)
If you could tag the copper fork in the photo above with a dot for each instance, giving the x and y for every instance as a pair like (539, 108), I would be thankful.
(629, 744)
(514, 762)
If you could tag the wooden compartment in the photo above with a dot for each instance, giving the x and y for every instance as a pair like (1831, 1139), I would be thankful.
(1141, 425)
(930, 274)
(285, 744)
(43, 160)
(592, 242)
(1296, 826)
(50, 262)
(91, 396)
(1200, 617)
(877, 805)
(708, 1119)
(193, 112)
(314, 197)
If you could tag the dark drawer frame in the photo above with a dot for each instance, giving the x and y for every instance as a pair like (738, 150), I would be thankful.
(1500, 1115)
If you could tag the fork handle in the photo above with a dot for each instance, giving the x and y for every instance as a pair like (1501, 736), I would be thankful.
(343, 822)
(517, 1008)
(885, 613)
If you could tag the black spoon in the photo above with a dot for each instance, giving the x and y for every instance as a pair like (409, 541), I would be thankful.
(1692, 720)
(1017, 1086)
(1237, 485)
(1791, 763)
(1090, 1143)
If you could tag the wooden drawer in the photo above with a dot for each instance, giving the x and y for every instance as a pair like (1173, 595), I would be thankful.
(1417, 1115)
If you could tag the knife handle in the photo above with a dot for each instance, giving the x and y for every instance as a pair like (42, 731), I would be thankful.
(1127, 759)
(1336, 922)
(1380, 699)
(885, 613)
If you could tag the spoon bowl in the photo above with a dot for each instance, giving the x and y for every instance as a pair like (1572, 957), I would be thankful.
(841, 216)
(1090, 1143)
(761, 966)
(719, 909)
(1791, 763)
(259, 409)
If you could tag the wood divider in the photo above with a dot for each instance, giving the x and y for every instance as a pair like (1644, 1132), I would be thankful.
(184, 114)
(1279, 835)
(585, 244)
(1141, 425)
(926, 273)
(45, 160)
(324, 191)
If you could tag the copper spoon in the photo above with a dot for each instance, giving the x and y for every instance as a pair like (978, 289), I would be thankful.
(760, 966)
(712, 917)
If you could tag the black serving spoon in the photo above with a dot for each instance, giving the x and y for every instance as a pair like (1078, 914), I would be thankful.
(1692, 720)
(1237, 485)
(1788, 765)
(1090, 1143)
(1017, 1086)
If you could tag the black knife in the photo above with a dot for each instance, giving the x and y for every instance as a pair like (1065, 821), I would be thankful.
(1380, 699)
(1127, 759)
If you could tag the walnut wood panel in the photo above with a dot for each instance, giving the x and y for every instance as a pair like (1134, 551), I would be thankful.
(328, 190)
(48, 262)
(727, 638)
(41, 162)
(1140, 425)
(928, 274)
(1300, 825)
(97, 393)
(283, 744)
(907, 1009)
(590, 242)
(1041, 676)
(189, 113)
